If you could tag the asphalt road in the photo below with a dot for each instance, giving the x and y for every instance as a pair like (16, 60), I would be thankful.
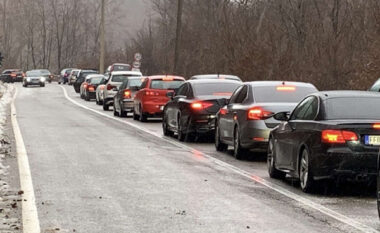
(93, 172)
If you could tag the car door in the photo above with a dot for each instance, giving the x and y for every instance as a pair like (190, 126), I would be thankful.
(235, 112)
(285, 135)
(173, 105)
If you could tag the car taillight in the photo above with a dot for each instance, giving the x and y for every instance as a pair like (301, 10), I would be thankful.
(258, 113)
(13, 75)
(91, 88)
(151, 93)
(201, 105)
(85, 86)
(23, 74)
(376, 126)
(127, 94)
(110, 87)
(338, 136)
(286, 88)
(223, 111)
(102, 87)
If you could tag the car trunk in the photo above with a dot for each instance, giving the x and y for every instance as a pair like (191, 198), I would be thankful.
(275, 108)
(214, 103)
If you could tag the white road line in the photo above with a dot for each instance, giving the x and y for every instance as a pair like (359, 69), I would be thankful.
(322, 209)
(30, 220)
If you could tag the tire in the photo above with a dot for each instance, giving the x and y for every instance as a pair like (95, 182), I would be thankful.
(123, 113)
(239, 152)
(142, 116)
(135, 116)
(165, 129)
(271, 162)
(219, 145)
(97, 102)
(42, 85)
(115, 113)
(87, 97)
(306, 177)
(105, 106)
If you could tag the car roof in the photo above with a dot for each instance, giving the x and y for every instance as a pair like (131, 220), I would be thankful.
(164, 76)
(345, 94)
(212, 81)
(215, 76)
(126, 72)
(279, 83)
(120, 64)
(94, 76)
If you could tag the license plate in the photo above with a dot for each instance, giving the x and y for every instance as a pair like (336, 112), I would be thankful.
(372, 140)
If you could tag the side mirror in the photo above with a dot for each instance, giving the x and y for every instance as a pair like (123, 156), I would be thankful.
(170, 94)
(281, 116)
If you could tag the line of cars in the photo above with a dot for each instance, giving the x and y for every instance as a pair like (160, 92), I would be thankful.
(309, 135)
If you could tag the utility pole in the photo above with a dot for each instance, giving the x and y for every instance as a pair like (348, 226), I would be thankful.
(178, 36)
(102, 39)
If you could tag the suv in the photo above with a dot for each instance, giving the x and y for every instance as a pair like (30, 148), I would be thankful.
(82, 74)
(114, 82)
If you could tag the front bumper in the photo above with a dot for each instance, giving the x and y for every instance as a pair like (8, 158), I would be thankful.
(36, 83)
(344, 163)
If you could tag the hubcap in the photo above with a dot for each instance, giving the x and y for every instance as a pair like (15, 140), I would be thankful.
(304, 169)
(217, 136)
(236, 142)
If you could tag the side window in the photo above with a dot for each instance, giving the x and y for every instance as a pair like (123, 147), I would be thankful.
(376, 86)
(242, 95)
(190, 93)
(302, 108)
(143, 85)
(182, 90)
(235, 94)
(312, 111)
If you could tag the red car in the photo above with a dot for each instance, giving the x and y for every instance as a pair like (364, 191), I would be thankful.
(152, 96)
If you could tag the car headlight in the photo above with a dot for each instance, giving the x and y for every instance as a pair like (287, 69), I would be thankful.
(28, 79)
(43, 79)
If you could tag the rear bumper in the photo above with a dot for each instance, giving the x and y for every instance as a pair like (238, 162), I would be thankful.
(92, 95)
(342, 163)
(255, 135)
(128, 106)
(202, 124)
(153, 108)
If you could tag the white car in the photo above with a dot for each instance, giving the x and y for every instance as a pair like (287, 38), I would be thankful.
(112, 85)
(35, 78)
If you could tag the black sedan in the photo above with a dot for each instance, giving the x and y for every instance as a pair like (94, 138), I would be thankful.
(329, 136)
(93, 83)
(193, 108)
(244, 122)
(81, 78)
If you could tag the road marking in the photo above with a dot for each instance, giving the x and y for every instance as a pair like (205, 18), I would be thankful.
(30, 220)
(318, 207)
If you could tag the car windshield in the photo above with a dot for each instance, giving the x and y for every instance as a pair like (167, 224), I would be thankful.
(96, 80)
(281, 94)
(165, 84)
(215, 89)
(135, 82)
(121, 68)
(352, 108)
(120, 78)
(44, 72)
(33, 74)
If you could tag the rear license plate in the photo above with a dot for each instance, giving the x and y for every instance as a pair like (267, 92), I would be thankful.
(372, 140)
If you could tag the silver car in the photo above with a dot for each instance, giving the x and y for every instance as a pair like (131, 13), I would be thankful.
(36, 78)
(113, 84)
(246, 121)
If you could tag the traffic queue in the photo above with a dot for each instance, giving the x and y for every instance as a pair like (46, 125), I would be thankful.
(308, 135)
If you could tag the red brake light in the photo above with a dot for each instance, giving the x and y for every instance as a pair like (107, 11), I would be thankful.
(167, 78)
(91, 88)
(151, 93)
(102, 87)
(85, 86)
(223, 111)
(338, 136)
(258, 113)
(127, 94)
(376, 126)
(286, 88)
(201, 105)
(13, 75)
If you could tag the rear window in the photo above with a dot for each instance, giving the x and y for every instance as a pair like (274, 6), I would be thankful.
(120, 78)
(84, 74)
(96, 80)
(135, 82)
(352, 108)
(215, 89)
(165, 84)
(121, 68)
(281, 94)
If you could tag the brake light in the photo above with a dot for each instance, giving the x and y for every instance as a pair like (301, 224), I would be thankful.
(127, 94)
(258, 113)
(23, 74)
(110, 87)
(102, 87)
(376, 126)
(91, 88)
(338, 136)
(13, 75)
(151, 93)
(223, 111)
(222, 93)
(85, 86)
(201, 105)
(167, 78)
(286, 88)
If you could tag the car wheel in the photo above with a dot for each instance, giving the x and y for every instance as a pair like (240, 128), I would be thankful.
(271, 162)
(165, 129)
(135, 116)
(219, 145)
(42, 85)
(180, 134)
(87, 97)
(105, 106)
(306, 178)
(239, 152)
(115, 113)
(97, 101)
(142, 117)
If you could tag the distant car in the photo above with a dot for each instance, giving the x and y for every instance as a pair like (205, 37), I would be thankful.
(73, 76)
(92, 84)
(100, 91)
(35, 78)
(118, 67)
(82, 74)
(215, 76)
(245, 123)
(113, 83)
(123, 100)
(151, 98)
(64, 76)
(84, 85)
(332, 135)
(193, 109)
(12, 75)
